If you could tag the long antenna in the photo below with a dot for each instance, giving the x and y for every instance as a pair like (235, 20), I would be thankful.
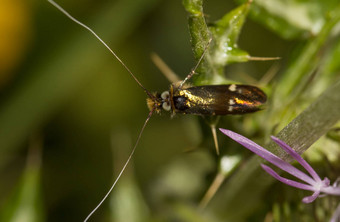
(123, 169)
(114, 54)
(133, 76)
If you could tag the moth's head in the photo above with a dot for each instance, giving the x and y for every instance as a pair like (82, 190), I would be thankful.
(159, 102)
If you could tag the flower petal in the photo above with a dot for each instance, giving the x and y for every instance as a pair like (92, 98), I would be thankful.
(270, 157)
(310, 199)
(285, 180)
(296, 156)
(331, 190)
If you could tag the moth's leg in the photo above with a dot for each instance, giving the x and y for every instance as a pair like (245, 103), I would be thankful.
(212, 122)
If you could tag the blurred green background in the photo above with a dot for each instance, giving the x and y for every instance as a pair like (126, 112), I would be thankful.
(70, 113)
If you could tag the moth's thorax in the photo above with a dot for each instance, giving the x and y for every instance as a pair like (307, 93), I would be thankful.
(193, 99)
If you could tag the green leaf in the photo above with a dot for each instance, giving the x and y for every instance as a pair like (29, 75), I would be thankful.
(223, 50)
(292, 18)
(226, 32)
(297, 76)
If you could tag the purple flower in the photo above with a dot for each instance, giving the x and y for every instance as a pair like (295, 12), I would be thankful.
(312, 181)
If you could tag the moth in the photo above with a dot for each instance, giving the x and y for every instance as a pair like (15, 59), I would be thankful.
(209, 100)
(205, 100)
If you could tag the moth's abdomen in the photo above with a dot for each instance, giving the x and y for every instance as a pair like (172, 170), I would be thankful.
(219, 99)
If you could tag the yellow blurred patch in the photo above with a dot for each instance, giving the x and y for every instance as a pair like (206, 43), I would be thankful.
(15, 33)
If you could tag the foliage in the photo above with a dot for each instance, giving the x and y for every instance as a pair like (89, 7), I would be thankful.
(86, 109)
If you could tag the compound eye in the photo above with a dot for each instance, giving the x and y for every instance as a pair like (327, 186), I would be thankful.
(166, 106)
(165, 95)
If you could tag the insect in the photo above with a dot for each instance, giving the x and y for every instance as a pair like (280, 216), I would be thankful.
(206, 100)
